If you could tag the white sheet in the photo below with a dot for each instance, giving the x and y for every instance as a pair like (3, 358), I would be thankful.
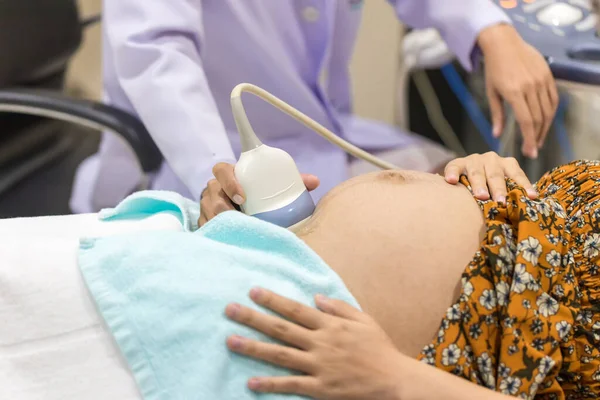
(53, 344)
(76, 226)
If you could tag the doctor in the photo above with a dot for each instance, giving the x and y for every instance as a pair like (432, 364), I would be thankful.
(174, 63)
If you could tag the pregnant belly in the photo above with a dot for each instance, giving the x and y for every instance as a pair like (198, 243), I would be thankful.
(403, 263)
(408, 301)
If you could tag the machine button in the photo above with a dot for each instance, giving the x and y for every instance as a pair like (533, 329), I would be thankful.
(585, 4)
(508, 4)
(587, 24)
(534, 27)
(559, 14)
(533, 7)
(519, 18)
(311, 14)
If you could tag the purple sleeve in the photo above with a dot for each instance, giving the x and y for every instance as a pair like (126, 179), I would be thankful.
(458, 21)
(155, 46)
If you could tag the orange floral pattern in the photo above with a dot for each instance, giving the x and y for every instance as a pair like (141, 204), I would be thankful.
(527, 322)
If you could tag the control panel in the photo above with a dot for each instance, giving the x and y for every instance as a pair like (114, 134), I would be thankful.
(564, 31)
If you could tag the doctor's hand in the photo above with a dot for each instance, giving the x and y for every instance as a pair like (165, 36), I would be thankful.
(486, 173)
(225, 193)
(338, 352)
(517, 73)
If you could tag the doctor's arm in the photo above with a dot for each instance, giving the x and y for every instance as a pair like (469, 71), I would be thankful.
(515, 71)
(156, 47)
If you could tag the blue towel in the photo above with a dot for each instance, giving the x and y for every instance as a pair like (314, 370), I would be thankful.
(163, 295)
(150, 202)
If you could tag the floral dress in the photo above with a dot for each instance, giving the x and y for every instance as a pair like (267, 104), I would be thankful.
(527, 321)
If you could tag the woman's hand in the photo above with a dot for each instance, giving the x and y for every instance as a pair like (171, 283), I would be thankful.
(518, 73)
(341, 351)
(487, 173)
(224, 191)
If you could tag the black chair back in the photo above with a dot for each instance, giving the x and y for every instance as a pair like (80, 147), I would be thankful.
(37, 39)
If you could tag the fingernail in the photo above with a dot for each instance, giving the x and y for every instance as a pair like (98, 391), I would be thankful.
(255, 293)
(532, 192)
(481, 192)
(322, 303)
(254, 384)
(235, 342)
(232, 310)
(320, 299)
(501, 199)
(496, 131)
(237, 199)
(534, 154)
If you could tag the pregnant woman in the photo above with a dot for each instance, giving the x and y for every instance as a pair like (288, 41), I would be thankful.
(522, 318)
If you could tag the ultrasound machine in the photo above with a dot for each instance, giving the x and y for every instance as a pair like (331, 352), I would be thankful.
(564, 31)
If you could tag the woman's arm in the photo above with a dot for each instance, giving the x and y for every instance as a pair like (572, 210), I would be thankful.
(155, 47)
(342, 352)
(424, 382)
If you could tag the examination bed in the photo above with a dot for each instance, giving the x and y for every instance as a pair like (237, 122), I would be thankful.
(53, 343)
